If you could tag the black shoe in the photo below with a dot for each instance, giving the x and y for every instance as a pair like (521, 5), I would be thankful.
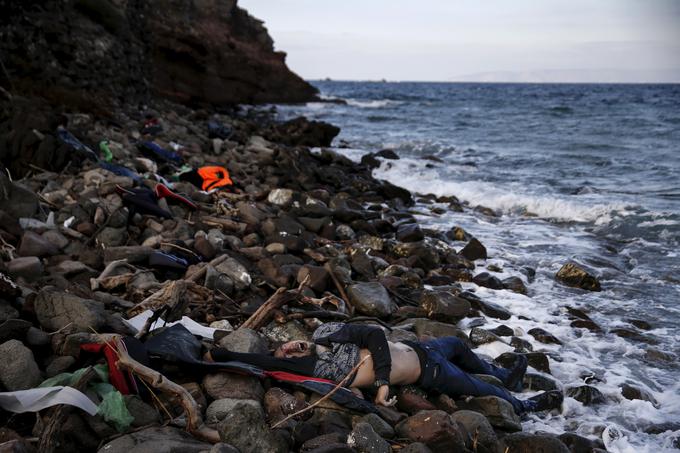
(545, 401)
(516, 376)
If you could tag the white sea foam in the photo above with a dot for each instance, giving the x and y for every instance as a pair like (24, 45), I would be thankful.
(374, 104)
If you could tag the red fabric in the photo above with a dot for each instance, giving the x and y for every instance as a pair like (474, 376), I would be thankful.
(163, 191)
(291, 377)
(116, 377)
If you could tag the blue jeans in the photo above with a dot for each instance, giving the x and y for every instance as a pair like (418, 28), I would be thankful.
(449, 360)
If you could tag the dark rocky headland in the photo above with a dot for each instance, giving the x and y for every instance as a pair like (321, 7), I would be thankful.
(312, 227)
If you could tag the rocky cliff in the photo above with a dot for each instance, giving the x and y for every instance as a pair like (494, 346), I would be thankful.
(86, 53)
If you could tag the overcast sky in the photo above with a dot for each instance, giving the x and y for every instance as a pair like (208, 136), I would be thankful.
(477, 40)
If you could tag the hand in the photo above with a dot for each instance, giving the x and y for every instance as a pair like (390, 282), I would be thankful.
(381, 397)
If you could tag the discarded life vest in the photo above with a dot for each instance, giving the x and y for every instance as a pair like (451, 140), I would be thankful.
(209, 177)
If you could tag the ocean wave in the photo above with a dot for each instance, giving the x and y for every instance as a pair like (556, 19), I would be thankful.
(374, 104)
(410, 174)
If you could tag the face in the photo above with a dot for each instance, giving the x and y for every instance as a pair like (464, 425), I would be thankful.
(294, 349)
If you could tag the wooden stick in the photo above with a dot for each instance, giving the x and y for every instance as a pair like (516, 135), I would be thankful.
(201, 272)
(230, 225)
(278, 300)
(195, 425)
(327, 395)
(48, 437)
(340, 288)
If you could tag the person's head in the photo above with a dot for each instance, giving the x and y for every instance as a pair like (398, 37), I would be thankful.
(295, 349)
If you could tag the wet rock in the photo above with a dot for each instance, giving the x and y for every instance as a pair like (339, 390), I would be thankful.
(156, 438)
(533, 381)
(515, 284)
(380, 426)
(481, 336)
(415, 447)
(579, 444)
(456, 233)
(410, 232)
(318, 277)
(631, 334)
(521, 345)
(534, 443)
(18, 370)
(572, 275)
(434, 428)
(640, 324)
(498, 411)
(412, 400)
(257, 437)
(543, 336)
(474, 250)
(278, 404)
(488, 308)
(587, 395)
(365, 440)
(585, 324)
(56, 310)
(481, 431)
(245, 340)
(631, 392)
(28, 267)
(371, 299)
(325, 439)
(427, 328)
(488, 281)
(502, 331)
(537, 360)
(219, 409)
(230, 385)
(444, 306)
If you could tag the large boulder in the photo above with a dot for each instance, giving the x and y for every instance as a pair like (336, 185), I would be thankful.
(365, 440)
(245, 428)
(245, 340)
(498, 411)
(474, 250)
(434, 428)
(18, 370)
(444, 306)
(481, 430)
(572, 275)
(371, 299)
(230, 385)
(56, 310)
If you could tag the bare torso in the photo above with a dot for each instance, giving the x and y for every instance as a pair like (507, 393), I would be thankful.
(405, 367)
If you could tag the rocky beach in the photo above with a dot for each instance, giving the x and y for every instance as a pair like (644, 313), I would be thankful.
(103, 105)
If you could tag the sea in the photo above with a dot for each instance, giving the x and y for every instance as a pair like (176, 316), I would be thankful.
(584, 173)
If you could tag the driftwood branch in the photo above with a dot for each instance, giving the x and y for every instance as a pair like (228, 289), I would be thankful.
(195, 425)
(327, 395)
(197, 275)
(338, 285)
(267, 310)
(227, 224)
(50, 434)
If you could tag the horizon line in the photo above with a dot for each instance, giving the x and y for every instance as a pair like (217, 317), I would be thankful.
(486, 82)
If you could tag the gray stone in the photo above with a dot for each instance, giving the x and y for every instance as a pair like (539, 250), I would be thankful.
(32, 244)
(515, 284)
(218, 409)
(165, 439)
(245, 428)
(59, 365)
(230, 385)
(37, 337)
(632, 392)
(498, 411)
(371, 299)
(444, 306)
(365, 440)
(380, 426)
(480, 430)
(434, 428)
(245, 340)
(426, 327)
(415, 447)
(534, 443)
(409, 232)
(55, 238)
(236, 272)
(15, 199)
(113, 237)
(474, 250)
(28, 267)
(7, 312)
(482, 336)
(56, 310)
(143, 413)
(133, 253)
(218, 281)
(221, 447)
(18, 370)
(586, 394)
(281, 197)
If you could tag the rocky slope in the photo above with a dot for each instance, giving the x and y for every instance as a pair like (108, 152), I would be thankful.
(90, 53)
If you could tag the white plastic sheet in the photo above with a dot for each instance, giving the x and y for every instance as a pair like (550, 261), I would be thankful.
(139, 321)
(37, 399)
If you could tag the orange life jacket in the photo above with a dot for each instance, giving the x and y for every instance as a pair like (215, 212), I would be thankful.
(214, 176)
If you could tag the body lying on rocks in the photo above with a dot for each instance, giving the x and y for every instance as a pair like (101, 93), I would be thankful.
(441, 365)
